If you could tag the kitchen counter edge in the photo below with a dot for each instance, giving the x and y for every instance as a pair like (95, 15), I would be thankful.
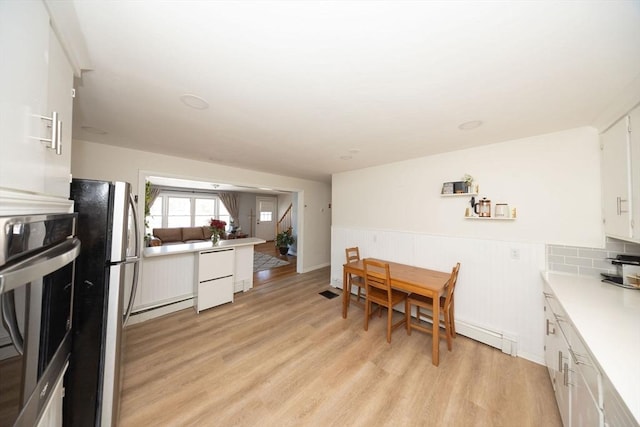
(597, 309)
(164, 250)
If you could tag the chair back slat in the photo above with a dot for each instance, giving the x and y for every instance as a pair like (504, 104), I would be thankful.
(353, 254)
(376, 274)
(451, 285)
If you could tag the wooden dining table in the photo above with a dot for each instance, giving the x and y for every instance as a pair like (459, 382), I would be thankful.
(430, 283)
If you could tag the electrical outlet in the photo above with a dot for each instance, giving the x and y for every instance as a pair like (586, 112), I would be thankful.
(515, 253)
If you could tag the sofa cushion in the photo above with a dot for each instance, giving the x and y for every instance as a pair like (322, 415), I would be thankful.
(207, 232)
(192, 233)
(168, 234)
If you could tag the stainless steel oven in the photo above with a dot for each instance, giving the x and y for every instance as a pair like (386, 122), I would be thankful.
(37, 254)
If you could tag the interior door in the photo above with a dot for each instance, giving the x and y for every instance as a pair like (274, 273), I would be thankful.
(266, 218)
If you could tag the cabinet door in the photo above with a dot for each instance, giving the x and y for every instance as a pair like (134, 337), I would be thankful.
(634, 142)
(60, 99)
(243, 271)
(551, 344)
(215, 264)
(213, 293)
(584, 410)
(616, 202)
(24, 45)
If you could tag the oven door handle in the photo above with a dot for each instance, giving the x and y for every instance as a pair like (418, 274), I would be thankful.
(10, 320)
(39, 265)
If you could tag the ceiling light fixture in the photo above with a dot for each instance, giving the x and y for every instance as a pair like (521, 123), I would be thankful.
(470, 125)
(194, 101)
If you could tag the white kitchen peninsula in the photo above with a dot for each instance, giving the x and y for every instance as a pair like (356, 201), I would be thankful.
(601, 323)
(169, 274)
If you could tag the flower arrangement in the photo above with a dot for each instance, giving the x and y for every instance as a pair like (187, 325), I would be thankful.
(217, 226)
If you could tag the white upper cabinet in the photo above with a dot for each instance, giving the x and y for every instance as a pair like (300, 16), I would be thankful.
(36, 80)
(634, 142)
(60, 100)
(616, 181)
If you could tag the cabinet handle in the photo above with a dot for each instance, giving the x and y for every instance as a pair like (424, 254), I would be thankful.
(580, 359)
(549, 331)
(55, 142)
(560, 360)
(59, 139)
(619, 202)
(566, 375)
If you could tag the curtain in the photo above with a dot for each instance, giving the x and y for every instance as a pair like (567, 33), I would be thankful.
(230, 201)
(151, 196)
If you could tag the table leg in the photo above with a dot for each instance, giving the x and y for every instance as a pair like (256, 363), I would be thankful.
(345, 293)
(435, 349)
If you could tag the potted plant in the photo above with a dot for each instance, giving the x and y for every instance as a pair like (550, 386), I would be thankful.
(283, 240)
(468, 182)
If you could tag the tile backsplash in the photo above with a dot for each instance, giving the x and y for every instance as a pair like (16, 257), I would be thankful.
(588, 261)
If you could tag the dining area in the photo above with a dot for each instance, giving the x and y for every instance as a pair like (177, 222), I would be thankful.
(388, 284)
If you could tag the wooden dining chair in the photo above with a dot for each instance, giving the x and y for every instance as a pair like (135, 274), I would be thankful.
(353, 255)
(446, 309)
(378, 290)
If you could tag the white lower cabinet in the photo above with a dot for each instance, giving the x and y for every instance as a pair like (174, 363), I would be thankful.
(557, 361)
(243, 273)
(615, 411)
(214, 284)
(576, 380)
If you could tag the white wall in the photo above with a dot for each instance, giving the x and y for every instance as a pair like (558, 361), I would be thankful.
(103, 162)
(553, 180)
(395, 211)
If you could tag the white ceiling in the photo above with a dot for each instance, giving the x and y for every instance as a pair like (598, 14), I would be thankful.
(180, 183)
(310, 88)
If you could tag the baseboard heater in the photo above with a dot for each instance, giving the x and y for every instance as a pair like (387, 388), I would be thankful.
(158, 310)
(506, 343)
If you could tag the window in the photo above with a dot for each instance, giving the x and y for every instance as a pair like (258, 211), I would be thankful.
(205, 210)
(172, 209)
(155, 215)
(179, 212)
(265, 216)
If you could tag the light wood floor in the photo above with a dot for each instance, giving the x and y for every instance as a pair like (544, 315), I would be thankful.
(281, 355)
(265, 277)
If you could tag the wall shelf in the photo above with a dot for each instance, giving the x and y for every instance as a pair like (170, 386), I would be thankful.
(491, 218)
(459, 194)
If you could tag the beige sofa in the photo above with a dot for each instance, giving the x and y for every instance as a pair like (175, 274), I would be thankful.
(177, 235)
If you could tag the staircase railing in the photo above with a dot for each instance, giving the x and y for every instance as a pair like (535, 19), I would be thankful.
(286, 221)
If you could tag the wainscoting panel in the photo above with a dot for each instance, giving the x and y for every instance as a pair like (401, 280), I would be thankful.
(499, 291)
(161, 285)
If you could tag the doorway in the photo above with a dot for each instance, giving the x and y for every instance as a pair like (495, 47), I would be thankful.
(266, 218)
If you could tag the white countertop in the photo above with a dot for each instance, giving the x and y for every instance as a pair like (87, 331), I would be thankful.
(199, 246)
(608, 319)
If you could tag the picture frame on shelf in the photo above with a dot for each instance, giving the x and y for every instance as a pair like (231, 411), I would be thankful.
(460, 187)
(447, 188)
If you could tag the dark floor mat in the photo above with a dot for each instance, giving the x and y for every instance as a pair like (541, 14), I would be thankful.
(328, 294)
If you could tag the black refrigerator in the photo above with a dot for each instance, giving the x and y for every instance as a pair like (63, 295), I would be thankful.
(105, 283)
